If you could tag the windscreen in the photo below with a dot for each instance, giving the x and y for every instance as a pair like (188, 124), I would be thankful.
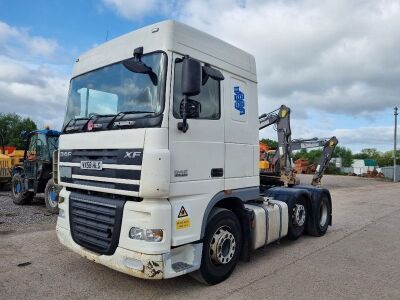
(130, 85)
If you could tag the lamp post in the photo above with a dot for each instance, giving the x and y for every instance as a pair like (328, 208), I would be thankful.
(395, 141)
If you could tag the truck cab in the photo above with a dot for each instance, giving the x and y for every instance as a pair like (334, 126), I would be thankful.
(160, 140)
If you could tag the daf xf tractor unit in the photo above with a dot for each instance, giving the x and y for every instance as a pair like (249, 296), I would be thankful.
(159, 159)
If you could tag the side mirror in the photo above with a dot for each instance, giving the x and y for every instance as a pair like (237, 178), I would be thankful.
(191, 83)
(191, 77)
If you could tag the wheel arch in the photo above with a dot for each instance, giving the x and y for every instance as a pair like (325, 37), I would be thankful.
(234, 201)
(289, 195)
(317, 193)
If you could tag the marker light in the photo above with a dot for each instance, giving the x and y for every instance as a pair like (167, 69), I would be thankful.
(148, 235)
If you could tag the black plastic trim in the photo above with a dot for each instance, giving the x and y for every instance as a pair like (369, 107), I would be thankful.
(110, 173)
(95, 222)
(101, 184)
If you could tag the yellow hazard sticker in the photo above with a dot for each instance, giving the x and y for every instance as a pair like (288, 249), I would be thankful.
(182, 213)
(183, 223)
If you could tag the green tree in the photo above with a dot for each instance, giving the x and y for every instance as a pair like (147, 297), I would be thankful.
(11, 126)
(386, 158)
(313, 156)
(360, 156)
(371, 153)
(345, 154)
(271, 143)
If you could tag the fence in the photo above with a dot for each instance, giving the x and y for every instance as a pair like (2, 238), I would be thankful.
(388, 172)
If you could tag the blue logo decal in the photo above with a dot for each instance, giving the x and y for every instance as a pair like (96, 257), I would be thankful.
(239, 100)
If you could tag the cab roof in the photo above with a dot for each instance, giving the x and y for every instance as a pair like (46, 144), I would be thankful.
(169, 36)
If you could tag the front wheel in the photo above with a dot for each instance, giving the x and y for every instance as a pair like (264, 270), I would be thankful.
(18, 194)
(221, 247)
(51, 196)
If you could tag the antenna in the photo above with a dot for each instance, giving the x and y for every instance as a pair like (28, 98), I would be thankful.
(107, 35)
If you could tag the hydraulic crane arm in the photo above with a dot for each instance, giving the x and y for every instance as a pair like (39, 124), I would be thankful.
(328, 145)
(326, 156)
(298, 144)
(281, 119)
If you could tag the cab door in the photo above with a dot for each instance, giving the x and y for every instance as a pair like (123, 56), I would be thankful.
(197, 156)
(31, 158)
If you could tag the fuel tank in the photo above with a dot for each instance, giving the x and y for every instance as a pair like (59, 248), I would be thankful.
(271, 221)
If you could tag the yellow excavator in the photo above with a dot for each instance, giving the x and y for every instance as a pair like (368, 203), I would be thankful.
(9, 157)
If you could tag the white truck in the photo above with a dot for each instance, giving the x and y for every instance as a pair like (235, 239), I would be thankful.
(158, 160)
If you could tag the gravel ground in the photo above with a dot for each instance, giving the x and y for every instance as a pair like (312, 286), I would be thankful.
(358, 258)
(21, 217)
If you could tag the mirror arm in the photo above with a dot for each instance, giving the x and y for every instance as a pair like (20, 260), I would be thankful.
(184, 126)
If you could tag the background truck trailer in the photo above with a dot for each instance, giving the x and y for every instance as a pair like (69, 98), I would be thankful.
(159, 159)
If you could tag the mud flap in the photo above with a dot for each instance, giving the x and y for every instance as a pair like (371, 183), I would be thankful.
(246, 220)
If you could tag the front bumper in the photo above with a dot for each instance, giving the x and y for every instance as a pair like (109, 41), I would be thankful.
(178, 261)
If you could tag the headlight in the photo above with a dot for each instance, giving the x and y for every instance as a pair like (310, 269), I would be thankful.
(148, 235)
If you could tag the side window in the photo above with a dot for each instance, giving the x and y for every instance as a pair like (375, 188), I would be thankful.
(209, 96)
(31, 152)
(42, 151)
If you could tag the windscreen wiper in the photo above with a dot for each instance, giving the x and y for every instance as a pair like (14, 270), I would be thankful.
(97, 116)
(73, 119)
(123, 113)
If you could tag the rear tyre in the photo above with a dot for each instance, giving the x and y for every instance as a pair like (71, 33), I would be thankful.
(51, 196)
(18, 194)
(297, 218)
(221, 247)
(319, 218)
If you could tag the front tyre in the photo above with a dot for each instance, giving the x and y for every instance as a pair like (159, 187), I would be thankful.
(221, 247)
(18, 194)
(51, 196)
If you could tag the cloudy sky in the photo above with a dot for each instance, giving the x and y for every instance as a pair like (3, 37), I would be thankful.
(335, 63)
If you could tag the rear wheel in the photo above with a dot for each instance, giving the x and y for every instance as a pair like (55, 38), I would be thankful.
(51, 196)
(319, 219)
(297, 218)
(221, 247)
(18, 194)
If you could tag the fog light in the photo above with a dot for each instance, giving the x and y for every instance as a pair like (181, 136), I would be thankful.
(148, 235)
(61, 213)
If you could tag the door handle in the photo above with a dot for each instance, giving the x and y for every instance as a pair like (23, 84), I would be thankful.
(217, 172)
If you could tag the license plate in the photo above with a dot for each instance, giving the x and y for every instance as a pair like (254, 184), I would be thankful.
(92, 165)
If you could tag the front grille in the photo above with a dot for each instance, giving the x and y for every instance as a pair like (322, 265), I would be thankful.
(95, 222)
(107, 156)
(122, 164)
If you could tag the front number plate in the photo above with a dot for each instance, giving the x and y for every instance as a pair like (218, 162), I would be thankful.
(92, 165)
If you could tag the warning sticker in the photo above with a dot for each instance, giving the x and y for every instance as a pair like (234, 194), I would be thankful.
(182, 223)
(182, 213)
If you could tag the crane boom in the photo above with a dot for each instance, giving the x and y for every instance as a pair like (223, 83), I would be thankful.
(281, 118)
(282, 160)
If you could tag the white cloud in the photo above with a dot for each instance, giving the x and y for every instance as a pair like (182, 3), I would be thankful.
(29, 85)
(17, 42)
(337, 56)
(138, 9)
(34, 91)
